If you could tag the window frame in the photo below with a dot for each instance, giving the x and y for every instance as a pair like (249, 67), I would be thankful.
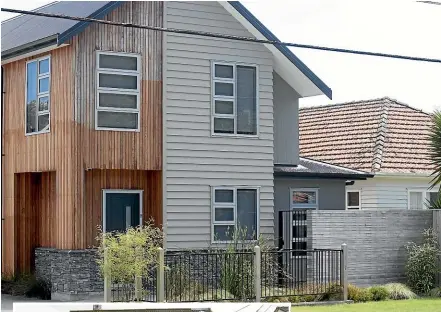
(123, 72)
(233, 205)
(425, 193)
(304, 206)
(347, 201)
(39, 95)
(232, 98)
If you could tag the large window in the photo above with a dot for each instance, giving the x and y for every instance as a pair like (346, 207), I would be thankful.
(234, 210)
(421, 199)
(234, 102)
(118, 91)
(38, 95)
(353, 201)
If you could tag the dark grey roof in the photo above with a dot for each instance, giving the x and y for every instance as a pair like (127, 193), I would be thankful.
(25, 29)
(312, 168)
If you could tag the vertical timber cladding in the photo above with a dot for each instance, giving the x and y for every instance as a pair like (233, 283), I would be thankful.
(146, 180)
(118, 149)
(102, 154)
(45, 153)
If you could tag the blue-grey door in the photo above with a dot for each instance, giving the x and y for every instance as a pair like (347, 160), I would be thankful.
(122, 211)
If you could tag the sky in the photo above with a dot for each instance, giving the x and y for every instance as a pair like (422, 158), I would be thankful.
(403, 27)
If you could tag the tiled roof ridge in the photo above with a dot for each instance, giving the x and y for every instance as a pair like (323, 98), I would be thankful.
(369, 101)
(380, 138)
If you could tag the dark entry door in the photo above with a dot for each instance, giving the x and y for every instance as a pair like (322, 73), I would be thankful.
(122, 210)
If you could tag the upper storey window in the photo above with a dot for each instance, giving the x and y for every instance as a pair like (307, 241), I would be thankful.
(38, 78)
(234, 100)
(118, 91)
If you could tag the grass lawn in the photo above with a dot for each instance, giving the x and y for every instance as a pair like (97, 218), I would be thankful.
(424, 305)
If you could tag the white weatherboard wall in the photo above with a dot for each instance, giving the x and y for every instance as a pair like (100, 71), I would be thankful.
(388, 192)
(194, 159)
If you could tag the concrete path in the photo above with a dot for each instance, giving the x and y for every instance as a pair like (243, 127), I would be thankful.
(8, 301)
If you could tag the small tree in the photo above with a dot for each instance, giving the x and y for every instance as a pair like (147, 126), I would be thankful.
(130, 254)
(422, 264)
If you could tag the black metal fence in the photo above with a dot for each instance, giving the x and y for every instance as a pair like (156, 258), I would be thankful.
(301, 273)
(195, 276)
(209, 276)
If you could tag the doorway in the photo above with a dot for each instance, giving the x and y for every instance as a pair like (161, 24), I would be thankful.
(122, 209)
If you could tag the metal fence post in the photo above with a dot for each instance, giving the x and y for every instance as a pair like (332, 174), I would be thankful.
(160, 291)
(344, 271)
(107, 280)
(257, 268)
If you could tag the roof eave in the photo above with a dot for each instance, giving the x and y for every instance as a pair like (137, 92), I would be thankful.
(338, 176)
(264, 31)
(29, 47)
(80, 26)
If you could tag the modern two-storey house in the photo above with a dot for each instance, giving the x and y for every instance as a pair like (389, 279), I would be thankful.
(112, 126)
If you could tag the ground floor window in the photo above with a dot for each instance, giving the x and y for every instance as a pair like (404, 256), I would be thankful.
(122, 209)
(235, 210)
(421, 199)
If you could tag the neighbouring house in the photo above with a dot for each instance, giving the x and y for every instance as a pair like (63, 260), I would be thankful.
(382, 136)
(110, 126)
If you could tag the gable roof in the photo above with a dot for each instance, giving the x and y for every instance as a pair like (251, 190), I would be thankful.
(25, 32)
(309, 168)
(379, 135)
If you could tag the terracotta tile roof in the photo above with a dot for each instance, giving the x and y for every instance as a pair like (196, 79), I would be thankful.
(379, 135)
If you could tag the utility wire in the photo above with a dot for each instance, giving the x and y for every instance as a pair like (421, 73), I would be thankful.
(222, 36)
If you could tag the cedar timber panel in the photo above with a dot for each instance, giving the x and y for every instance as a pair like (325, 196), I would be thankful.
(73, 145)
(97, 180)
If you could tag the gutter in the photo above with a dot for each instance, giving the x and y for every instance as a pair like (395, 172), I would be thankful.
(30, 47)
(402, 175)
(311, 175)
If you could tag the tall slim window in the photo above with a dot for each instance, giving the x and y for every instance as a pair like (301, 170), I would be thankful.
(234, 100)
(235, 210)
(118, 91)
(38, 95)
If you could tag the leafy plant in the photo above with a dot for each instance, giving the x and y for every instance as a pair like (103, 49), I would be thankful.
(130, 254)
(359, 294)
(422, 263)
(436, 292)
(399, 291)
(379, 293)
(434, 204)
(26, 285)
(435, 147)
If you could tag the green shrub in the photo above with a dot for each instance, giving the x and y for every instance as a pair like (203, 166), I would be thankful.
(334, 292)
(379, 293)
(422, 263)
(26, 285)
(308, 298)
(359, 294)
(436, 292)
(399, 291)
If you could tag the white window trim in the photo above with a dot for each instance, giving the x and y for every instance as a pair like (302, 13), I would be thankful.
(39, 95)
(121, 191)
(234, 206)
(136, 92)
(233, 99)
(425, 191)
(304, 206)
(359, 200)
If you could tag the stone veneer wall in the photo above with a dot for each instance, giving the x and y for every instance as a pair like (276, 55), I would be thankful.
(73, 274)
(376, 240)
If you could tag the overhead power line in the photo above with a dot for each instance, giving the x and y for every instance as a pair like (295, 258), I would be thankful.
(222, 36)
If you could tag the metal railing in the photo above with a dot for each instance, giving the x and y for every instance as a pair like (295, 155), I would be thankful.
(195, 276)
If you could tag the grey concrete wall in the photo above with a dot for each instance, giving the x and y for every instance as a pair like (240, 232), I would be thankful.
(376, 240)
(286, 123)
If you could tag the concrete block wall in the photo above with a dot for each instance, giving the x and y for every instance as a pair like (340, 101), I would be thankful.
(376, 240)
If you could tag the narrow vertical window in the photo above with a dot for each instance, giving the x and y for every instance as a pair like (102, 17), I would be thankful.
(353, 200)
(38, 95)
(234, 100)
